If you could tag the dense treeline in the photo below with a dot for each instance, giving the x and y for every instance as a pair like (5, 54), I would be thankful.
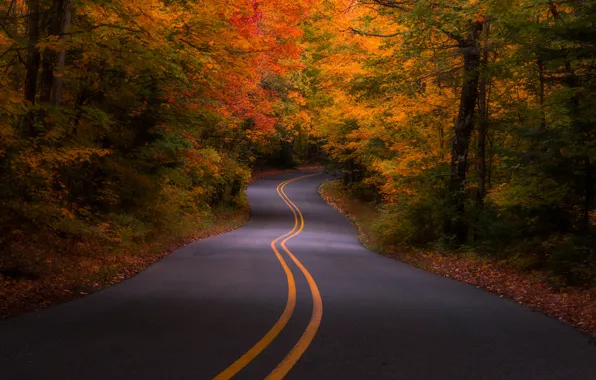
(470, 123)
(473, 122)
(125, 120)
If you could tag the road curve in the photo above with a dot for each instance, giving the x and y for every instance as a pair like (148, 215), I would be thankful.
(193, 314)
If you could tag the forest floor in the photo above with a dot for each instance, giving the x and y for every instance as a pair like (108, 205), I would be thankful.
(87, 267)
(574, 306)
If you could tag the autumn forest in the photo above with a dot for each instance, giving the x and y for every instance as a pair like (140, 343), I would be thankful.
(469, 126)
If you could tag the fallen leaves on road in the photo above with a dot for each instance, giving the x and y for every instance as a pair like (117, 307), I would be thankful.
(574, 306)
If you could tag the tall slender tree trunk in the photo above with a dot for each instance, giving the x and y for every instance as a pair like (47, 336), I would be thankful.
(13, 32)
(464, 126)
(58, 80)
(483, 121)
(32, 67)
(50, 55)
(489, 164)
(33, 56)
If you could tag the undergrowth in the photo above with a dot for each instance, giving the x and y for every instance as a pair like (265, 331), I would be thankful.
(54, 269)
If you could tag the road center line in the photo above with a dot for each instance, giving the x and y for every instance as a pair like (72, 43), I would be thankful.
(317, 312)
(255, 350)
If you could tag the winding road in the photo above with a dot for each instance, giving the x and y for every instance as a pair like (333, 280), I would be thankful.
(292, 294)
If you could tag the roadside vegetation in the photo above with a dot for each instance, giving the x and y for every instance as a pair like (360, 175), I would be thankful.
(472, 127)
(60, 273)
(465, 137)
(532, 288)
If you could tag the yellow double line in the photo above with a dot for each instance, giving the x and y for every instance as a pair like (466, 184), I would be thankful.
(307, 337)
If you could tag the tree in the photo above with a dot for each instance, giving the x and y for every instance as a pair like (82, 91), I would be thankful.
(135, 115)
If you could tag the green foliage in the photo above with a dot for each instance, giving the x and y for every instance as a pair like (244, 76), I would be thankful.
(573, 258)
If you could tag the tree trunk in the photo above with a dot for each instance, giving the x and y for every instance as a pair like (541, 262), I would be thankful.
(483, 122)
(58, 80)
(489, 166)
(13, 32)
(33, 57)
(50, 56)
(464, 126)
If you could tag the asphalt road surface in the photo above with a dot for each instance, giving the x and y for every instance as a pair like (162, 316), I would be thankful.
(226, 306)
